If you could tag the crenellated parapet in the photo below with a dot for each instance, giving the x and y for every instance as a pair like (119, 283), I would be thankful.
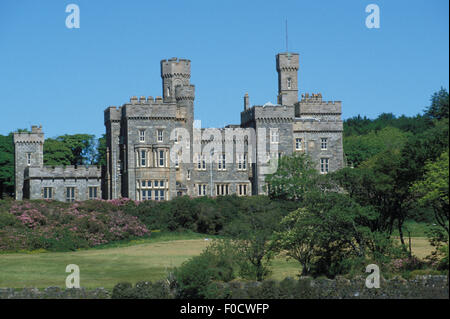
(175, 67)
(35, 136)
(185, 92)
(311, 104)
(268, 114)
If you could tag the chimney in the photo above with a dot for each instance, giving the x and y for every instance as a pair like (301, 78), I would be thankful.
(246, 101)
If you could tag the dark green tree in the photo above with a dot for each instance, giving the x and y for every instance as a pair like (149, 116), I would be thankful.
(295, 176)
(439, 105)
(6, 165)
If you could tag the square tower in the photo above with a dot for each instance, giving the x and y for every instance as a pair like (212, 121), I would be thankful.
(28, 152)
(287, 68)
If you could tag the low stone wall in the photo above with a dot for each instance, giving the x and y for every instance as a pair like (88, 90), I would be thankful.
(54, 293)
(422, 287)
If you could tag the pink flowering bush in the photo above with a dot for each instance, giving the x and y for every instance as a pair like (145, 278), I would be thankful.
(31, 225)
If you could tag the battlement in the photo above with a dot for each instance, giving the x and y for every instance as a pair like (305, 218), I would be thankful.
(185, 92)
(66, 172)
(313, 104)
(267, 112)
(287, 61)
(176, 67)
(113, 113)
(153, 109)
(35, 136)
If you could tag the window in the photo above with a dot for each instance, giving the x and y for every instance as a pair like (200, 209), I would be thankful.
(298, 144)
(274, 136)
(289, 83)
(188, 177)
(146, 194)
(70, 194)
(160, 135)
(47, 193)
(323, 143)
(221, 189)
(242, 190)
(201, 189)
(141, 135)
(143, 158)
(161, 158)
(93, 193)
(28, 159)
(242, 162)
(221, 163)
(324, 163)
(168, 91)
(201, 162)
(155, 188)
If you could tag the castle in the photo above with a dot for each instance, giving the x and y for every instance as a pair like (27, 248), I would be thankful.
(155, 151)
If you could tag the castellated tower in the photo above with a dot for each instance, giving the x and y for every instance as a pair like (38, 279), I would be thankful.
(185, 95)
(174, 72)
(28, 152)
(287, 68)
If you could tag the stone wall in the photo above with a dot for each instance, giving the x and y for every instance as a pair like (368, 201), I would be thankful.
(422, 287)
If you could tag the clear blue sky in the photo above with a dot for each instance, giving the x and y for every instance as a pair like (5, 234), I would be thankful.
(64, 78)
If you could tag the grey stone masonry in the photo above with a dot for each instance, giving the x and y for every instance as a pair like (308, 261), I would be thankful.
(142, 134)
(62, 183)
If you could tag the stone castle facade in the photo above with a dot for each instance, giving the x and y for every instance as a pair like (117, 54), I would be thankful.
(156, 151)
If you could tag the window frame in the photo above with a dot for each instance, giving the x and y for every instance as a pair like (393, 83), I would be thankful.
(324, 165)
(323, 141)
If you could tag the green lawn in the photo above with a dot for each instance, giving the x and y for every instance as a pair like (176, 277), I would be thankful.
(147, 259)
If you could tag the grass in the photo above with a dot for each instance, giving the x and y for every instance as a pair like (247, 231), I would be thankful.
(145, 259)
(98, 267)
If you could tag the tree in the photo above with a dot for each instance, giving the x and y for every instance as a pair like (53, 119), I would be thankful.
(6, 164)
(439, 107)
(252, 230)
(82, 147)
(433, 189)
(295, 176)
(77, 149)
(360, 148)
(329, 228)
(56, 152)
(100, 156)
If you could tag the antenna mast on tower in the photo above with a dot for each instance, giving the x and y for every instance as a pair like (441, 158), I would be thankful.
(287, 50)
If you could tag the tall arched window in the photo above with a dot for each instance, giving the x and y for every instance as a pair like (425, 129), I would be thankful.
(289, 83)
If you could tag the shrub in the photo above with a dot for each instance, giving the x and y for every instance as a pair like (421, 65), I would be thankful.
(55, 226)
(194, 278)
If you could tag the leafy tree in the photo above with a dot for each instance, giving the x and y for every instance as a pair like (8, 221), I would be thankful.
(433, 189)
(252, 230)
(327, 230)
(6, 164)
(362, 147)
(295, 176)
(77, 149)
(57, 152)
(100, 156)
(439, 107)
